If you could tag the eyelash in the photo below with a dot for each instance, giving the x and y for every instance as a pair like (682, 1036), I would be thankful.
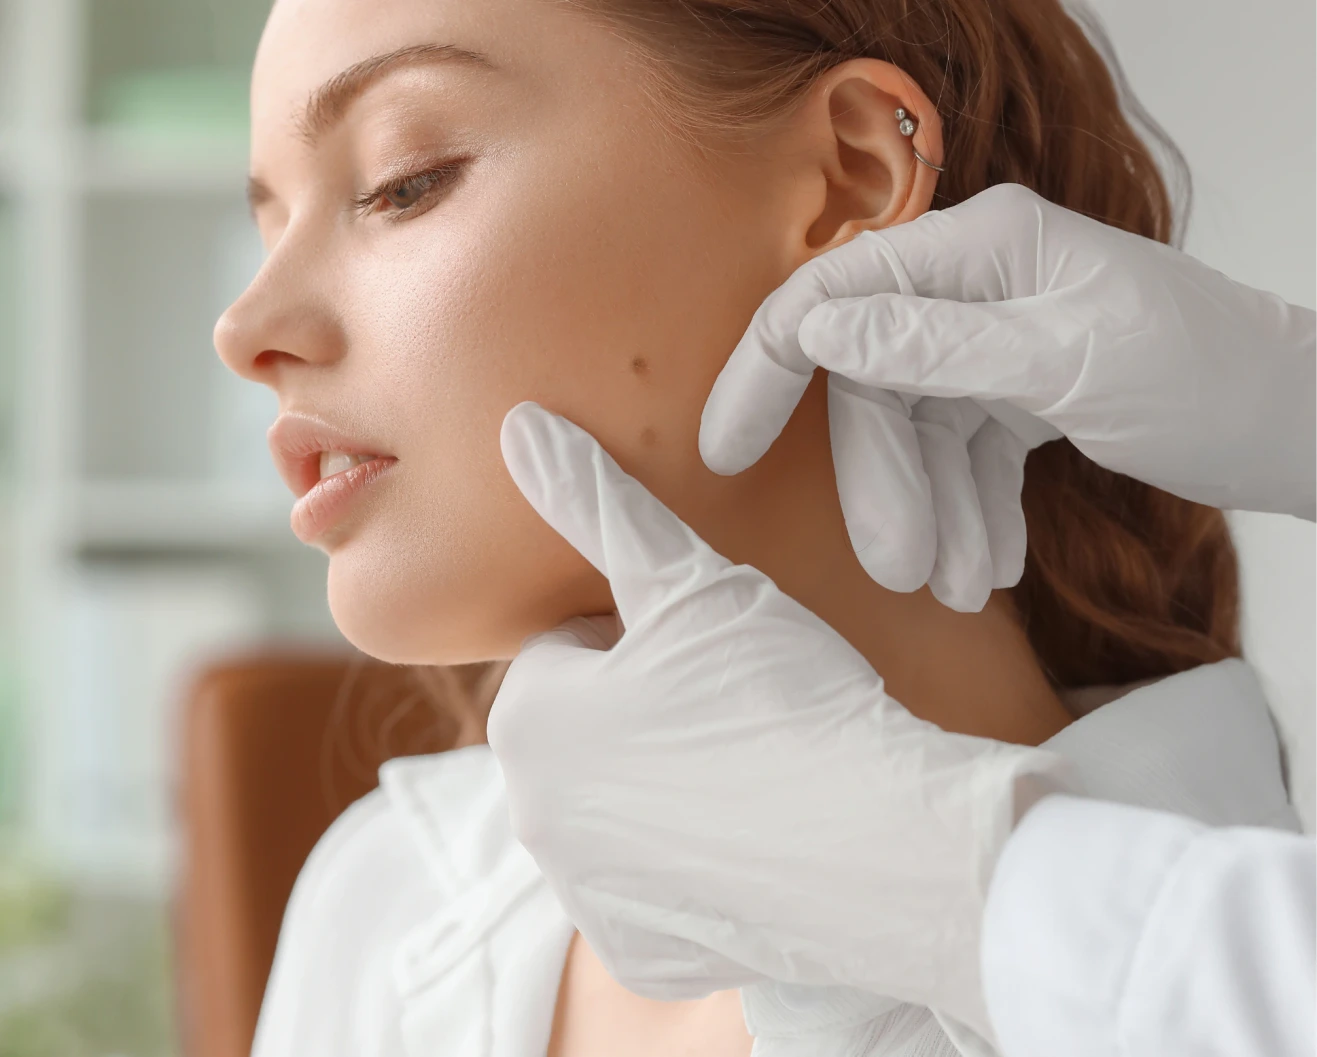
(432, 179)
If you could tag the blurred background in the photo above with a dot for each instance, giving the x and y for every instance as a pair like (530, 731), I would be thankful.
(142, 526)
(143, 531)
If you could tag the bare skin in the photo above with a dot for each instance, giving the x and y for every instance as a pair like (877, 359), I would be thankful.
(551, 241)
(597, 1017)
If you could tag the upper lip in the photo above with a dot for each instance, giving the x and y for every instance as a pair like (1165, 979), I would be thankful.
(296, 441)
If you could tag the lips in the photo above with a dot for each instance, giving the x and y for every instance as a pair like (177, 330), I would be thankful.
(297, 440)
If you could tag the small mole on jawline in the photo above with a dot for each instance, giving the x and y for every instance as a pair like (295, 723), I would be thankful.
(648, 436)
(640, 365)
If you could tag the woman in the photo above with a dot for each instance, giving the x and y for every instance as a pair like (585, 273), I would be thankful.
(582, 203)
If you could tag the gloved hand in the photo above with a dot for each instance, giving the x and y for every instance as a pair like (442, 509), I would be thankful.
(1018, 321)
(727, 794)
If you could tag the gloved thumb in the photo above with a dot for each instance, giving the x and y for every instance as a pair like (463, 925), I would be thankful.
(535, 707)
(648, 553)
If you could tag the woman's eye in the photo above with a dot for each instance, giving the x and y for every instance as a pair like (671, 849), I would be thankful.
(409, 193)
(403, 196)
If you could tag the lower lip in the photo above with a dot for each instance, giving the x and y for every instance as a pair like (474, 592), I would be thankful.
(330, 498)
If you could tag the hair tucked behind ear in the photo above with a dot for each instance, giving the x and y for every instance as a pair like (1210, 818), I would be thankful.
(1121, 581)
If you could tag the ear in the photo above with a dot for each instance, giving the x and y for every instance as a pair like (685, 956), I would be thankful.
(860, 172)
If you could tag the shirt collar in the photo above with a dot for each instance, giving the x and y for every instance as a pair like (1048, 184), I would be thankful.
(453, 805)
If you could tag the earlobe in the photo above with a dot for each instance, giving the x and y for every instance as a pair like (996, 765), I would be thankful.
(868, 119)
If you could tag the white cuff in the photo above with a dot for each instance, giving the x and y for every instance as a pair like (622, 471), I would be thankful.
(1069, 901)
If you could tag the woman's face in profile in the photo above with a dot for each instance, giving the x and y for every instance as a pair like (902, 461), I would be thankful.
(448, 236)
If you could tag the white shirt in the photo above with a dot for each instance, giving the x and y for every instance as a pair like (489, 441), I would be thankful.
(419, 926)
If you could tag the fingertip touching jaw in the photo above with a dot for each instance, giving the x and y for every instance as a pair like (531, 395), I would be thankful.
(465, 206)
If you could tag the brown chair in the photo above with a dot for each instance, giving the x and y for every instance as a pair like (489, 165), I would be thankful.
(274, 747)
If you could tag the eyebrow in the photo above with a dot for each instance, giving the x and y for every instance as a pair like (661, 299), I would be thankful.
(326, 106)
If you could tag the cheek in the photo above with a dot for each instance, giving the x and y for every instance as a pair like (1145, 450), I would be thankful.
(607, 324)
(453, 565)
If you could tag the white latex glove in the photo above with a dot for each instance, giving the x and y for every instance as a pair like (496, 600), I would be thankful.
(727, 794)
(1018, 321)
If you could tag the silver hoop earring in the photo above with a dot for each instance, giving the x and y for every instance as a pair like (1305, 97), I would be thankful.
(907, 125)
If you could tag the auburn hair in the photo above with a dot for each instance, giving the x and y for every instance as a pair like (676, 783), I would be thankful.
(1121, 581)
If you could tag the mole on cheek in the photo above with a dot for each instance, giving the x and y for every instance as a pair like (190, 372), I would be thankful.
(640, 365)
(648, 437)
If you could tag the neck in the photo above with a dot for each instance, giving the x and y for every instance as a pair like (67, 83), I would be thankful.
(971, 673)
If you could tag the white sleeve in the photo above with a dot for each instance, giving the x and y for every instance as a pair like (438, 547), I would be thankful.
(1115, 931)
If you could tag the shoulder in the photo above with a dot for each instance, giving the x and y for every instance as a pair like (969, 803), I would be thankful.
(419, 833)
(360, 847)
(375, 877)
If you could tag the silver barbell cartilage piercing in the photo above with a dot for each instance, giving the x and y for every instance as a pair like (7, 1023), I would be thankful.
(907, 125)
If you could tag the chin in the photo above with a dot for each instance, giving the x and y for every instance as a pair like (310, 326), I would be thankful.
(423, 591)
(418, 618)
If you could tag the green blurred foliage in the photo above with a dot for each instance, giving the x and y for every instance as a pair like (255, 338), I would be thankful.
(32, 908)
(118, 1001)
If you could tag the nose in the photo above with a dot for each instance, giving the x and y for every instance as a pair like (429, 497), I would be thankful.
(285, 318)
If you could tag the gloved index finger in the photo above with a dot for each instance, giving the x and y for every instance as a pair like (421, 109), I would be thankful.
(649, 555)
(766, 375)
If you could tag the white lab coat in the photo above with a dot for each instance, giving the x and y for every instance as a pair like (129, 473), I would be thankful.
(420, 927)
(1114, 931)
